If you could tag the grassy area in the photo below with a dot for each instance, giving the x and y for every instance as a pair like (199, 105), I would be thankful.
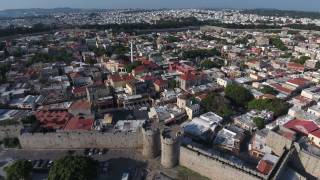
(187, 174)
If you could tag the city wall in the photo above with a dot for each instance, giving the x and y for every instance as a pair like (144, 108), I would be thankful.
(214, 167)
(75, 140)
(306, 162)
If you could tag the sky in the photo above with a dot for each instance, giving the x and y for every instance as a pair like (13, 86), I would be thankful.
(308, 5)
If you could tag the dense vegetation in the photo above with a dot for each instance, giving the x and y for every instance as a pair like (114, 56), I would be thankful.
(208, 64)
(172, 39)
(37, 28)
(54, 55)
(11, 142)
(29, 119)
(129, 67)
(177, 23)
(4, 68)
(239, 95)
(277, 106)
(118, 50)
(172, 84)
(200, 53)
(269, 90)
(275, 41)
(217, 104)
(74, 168)
(19, 170)
(301, 60)
(259, 122)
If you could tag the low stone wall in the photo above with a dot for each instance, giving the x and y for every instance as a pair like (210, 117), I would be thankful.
(214, 168)
(75, 140)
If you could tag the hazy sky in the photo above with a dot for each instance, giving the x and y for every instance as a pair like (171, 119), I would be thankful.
(312, 5)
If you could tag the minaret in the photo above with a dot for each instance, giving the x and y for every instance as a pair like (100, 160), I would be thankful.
(131, 44)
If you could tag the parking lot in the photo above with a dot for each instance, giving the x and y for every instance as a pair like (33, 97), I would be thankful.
(113, 162)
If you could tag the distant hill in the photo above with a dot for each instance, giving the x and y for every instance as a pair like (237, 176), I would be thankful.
(38, 12)
(289, 13)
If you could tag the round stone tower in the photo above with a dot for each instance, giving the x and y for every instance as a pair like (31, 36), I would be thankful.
(170, 147)
(151, 140)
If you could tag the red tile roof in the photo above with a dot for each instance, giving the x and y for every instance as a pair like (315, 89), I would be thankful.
(118, 78)
(264, 167)
(77, 90)
(53, 119)
(316, 133)
(295, 66)
(161, 82)
(298, 81)
(74, 75)
(302, 126)
(78, 123)
(81, 104)
(148, 78)
(281, 89)
(140, 68)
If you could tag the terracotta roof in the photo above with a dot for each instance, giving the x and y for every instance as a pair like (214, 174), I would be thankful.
(264, 167)
(160, 82)
(148, 78)
(140, 68)
(81, 104)
(302, 126)
(295, 66)
(53, 119)
(76, 90)
(118, 78)
(316, 133)
(78, 123)
(74, 75)
(282, 89)
(298, 81)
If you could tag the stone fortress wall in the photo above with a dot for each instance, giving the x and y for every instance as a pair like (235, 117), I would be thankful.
(150, 140)
(77, 140)
(215, 167)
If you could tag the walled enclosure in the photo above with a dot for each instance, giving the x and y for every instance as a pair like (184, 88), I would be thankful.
(210, 167)
(77, 140)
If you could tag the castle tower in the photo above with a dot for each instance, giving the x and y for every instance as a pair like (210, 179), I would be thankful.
(170, 147)
(151, 140)
(131, 51)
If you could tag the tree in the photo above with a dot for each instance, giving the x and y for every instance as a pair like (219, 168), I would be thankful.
(29, 119)
(172, 84)
(11, 142)
(259, 122)
(131, 66)
(301, 60)
(217, 104)
(276, 41)
(268, 90)
(200, 53)
(277, 106)
(74, 168)
(208, 64)
(99, 51)
(19, 170)
(239, 95)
